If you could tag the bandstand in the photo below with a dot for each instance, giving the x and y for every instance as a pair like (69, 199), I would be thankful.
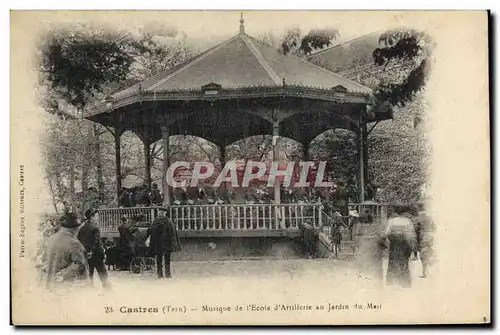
(237, 89)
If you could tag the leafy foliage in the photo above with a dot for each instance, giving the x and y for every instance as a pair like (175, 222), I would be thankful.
(338, 148)
(78, 64)
(411, 50)
(397, 146)
(154, 53)
(294, 42)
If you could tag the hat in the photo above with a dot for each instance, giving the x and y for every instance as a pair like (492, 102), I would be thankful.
(89, 213)
(69, 220)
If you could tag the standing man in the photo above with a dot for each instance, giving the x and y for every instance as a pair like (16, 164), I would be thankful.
(90, 237)
(65, 255)
(309, 238)
(164, 241)
(126, 243)
(425, 238)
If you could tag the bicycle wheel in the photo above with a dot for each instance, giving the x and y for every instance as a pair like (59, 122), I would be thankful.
(150, 266)
(137, 265)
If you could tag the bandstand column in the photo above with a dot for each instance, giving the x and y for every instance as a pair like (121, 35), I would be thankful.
(361, 145)
(305, 153)
(166, 163)
(147, 160)
(118, 166)
(365, 154)
(222, 158)
(222, 151)
(276, 156)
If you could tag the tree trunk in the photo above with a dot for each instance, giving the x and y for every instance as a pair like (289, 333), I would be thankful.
(72, 188)
(98, 162)
(86, 163)
(54, 197)
(60, 194)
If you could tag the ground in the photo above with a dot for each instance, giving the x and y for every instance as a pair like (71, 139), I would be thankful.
(212, 292)
(262, 269)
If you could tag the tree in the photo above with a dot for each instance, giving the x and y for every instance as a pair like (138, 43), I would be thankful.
(80, 65)
(294, 42)
(76, 65)
(79, 62)
(411, 50)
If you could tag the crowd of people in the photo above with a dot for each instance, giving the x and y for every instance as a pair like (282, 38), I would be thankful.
(75, 251)
(339, 196)
(142, 195)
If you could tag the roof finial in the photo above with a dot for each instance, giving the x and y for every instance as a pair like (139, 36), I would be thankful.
(242, 25)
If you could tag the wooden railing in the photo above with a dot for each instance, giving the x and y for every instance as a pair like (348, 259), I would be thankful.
(221, 217)
(378, 211)
(330, 221)
(242, 217)
(110, 218)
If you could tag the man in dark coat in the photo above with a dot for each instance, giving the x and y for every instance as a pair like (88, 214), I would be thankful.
(164, 240)
(64, 255)
(90, 237)
(426, 229)
(126, 243)
(309, 237)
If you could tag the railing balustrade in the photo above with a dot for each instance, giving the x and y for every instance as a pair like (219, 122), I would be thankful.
(221, 217)
(246, 217)
(378, 211)
(110, 218)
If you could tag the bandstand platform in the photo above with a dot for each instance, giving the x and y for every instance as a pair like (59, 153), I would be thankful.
(237, 89)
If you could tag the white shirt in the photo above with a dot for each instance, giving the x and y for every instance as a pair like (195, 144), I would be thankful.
(399, 224)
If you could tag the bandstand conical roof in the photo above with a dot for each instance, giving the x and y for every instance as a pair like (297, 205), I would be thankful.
(243, 61)
(231, 91)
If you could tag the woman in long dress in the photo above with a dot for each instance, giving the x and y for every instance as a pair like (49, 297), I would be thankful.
(401, 235)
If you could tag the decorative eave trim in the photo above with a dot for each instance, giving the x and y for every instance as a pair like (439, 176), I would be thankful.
(233, 93)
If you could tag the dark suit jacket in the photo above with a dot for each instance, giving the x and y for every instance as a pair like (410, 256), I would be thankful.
(164, 238)
(90, 237)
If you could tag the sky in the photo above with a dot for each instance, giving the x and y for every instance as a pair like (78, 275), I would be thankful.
(204, 29)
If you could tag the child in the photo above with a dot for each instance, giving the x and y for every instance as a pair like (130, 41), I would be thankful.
(111, 254)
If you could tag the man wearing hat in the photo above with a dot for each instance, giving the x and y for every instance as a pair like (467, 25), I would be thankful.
(90, 237)
(66, 257)
(164, 241)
